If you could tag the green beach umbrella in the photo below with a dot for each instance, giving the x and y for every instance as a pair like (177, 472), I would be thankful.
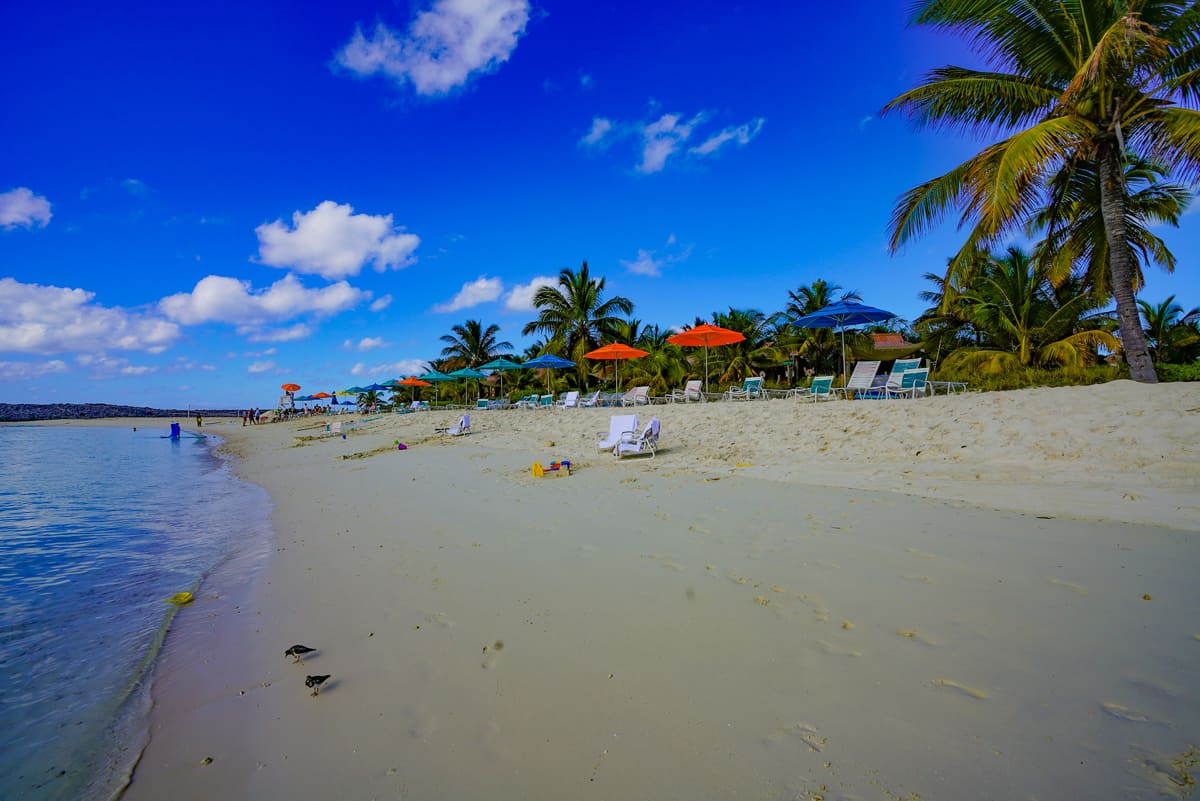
(500, 365)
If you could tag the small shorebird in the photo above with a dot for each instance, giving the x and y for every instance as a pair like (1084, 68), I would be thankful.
(315, 682)
(297, 651)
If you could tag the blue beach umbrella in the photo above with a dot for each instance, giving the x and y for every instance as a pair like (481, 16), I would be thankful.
(548, 361)
(840, 315)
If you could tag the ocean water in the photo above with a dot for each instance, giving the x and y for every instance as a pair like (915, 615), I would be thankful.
(98, 527)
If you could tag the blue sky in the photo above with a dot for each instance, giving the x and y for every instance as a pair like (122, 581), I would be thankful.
(195, 208)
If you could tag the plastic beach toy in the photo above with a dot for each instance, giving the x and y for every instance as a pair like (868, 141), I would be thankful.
(181, 598)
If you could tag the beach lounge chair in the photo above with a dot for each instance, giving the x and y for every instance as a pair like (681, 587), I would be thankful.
(861, 380)
(912, 383)
(618, 424)
(482, 403)
(632, 444)
(751, 388)
(638, 396)
(463, 427)
(569, 401)
(690, 392)
(527, 402)
(821, 389)
(546, 402)
(591, 402)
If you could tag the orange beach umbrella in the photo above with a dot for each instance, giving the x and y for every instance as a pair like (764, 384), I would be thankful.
(615, 352)
(706, 335)
(290, 387)
(322, 395)
(414, 382)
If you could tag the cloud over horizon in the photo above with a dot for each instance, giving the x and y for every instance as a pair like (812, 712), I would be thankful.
(220, 299)
(50, 319)
(444, 46)
(333, 242)
(520, 297)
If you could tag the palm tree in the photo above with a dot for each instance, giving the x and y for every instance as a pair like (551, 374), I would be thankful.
(755, 354)
(664, 368)
(1074, 226)
(576, 313)
(1074, 84)
(1167, 331)
(817, 295)
(1025, 320)
(471, 345)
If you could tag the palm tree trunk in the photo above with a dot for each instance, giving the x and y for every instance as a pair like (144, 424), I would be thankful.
(1120, 261)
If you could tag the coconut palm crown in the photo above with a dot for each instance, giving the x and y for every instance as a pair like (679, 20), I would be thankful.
(1072, 83)
(576, 313)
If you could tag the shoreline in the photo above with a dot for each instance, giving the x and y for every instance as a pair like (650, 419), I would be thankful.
(400, 565)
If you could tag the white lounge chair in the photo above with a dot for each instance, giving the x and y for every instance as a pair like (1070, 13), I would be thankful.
(638, 396)
(592, 401)
(569, 400)
(690, 392)
(632, 444)
(618, 425)
(861, 380)
(463, 427)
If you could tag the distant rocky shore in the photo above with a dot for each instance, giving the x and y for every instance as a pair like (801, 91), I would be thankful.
(22, 412)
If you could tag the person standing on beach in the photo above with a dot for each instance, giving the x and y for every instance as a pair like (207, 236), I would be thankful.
(245, 414)
(199, 422)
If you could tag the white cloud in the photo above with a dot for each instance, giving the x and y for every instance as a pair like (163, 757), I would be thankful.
(394, 369)
(134, 187)
(102, 365)
(289, 334)
(663, 137)
(382, 303)
(601, 127)
(443, 47)
(24, 371)
(371, 343)
(650, 264)
(520, 297)
(740, 135)
(333, 242)
(481, 290)
(219, 299)
(644, 264)
(22, 207)
(260, 367)
(50, 319)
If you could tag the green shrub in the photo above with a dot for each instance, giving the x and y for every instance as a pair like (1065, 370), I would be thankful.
(1178, 372)
(1038, 377)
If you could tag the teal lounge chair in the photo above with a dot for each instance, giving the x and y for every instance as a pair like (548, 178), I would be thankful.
(750, 389)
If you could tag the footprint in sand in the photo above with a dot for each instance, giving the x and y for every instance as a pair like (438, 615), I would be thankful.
(837, 650)
(807, 734)
(916, 636)
(921, 554)
(1076, 588)
(1122, 712)
(970, 692)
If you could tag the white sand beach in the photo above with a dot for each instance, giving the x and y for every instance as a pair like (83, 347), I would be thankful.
(965, 597)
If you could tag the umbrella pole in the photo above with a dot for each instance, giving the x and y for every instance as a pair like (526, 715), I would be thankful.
(706, 368)
(843, 355)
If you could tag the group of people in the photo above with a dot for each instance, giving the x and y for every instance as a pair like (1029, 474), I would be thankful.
(251, 416)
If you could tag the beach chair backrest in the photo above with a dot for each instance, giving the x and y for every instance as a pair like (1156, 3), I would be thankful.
(752, 384)
(913, 379)
(620, 424)
(546, 400)
(821, 385)
(863, 375)
(481, 403)
(692, 388)
(902, 366)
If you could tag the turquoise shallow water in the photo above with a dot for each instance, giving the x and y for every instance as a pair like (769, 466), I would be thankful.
(97, 527)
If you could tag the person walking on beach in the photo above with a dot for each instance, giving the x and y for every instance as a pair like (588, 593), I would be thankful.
(245, 414)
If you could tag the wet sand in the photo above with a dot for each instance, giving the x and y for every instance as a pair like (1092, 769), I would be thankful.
(685, 627)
